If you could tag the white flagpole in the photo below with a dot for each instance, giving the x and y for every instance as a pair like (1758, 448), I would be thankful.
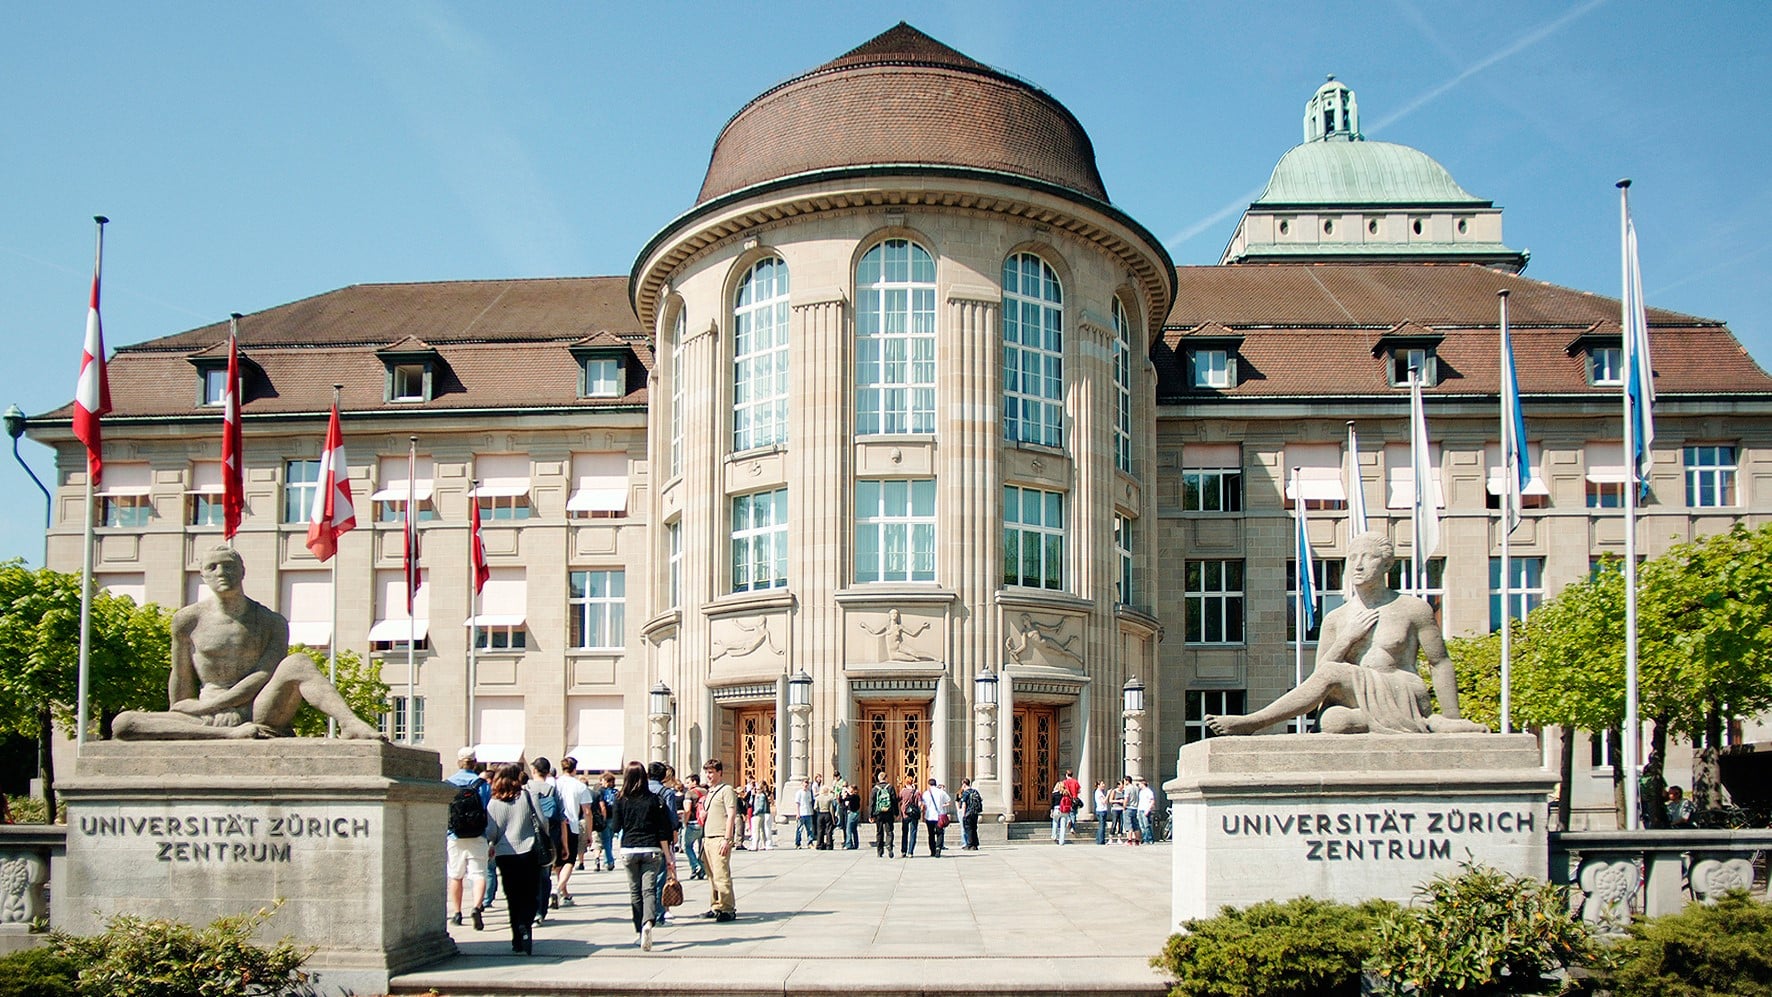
(332, 632)
(1417, 557)
(80, 718)
(1509, 464)
(1356, 500)
(1632, 315)
(473, 611)
(1299, 552)
(412, 576)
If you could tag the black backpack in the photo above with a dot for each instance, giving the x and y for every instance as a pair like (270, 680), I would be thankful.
(467, 815)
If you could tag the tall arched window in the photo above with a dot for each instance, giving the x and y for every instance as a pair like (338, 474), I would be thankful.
(1033, 352)
(760, 357)
(676, 355)
(1122, 389)
(895, 340)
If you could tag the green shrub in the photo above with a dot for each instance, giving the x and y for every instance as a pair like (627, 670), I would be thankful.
(1302, 946)
(30, 810)
(1723, 950)
(1480, 932)
(154, 958)
(38, 972)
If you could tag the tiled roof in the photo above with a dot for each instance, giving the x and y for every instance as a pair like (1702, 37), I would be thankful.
(1312, 330)
(899, 99)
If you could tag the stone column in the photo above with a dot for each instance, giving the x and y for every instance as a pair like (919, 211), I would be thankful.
(702, 522)
(940, 759)
(1090, 381)
(659, 739)
(985, 751)
(797, 745)
(1134, 742)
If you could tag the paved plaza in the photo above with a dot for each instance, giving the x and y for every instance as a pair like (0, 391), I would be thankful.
(1027, 917)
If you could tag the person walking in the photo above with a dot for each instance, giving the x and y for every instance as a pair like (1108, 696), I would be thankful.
(692, 797)
(1061, 813)
(762, 835)
(466, 850)
(575, 804)
(971, 803)
(605, 795)
(519, 848)
(938, 805)
(542, 787)
(910, 815)
(719, 825)
(643, 820)
(882, 810)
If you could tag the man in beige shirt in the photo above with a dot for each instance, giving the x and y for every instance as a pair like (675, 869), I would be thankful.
(719, 824)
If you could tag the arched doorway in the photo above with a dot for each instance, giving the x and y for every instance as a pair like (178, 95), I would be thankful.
(1034, 759)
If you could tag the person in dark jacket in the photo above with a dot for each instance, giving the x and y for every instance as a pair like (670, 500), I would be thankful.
(514, 822)
(647, 838)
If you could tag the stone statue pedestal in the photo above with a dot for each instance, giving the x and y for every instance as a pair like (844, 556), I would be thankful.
(1350, 817)
(348, 834)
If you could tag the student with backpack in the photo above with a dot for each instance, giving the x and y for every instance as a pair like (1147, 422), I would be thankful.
(469, 843)
(910, 816)
(547, 801)
(881, 806)
(971, 808)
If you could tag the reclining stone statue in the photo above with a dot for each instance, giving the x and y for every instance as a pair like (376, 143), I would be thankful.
(232, 673)
(1365, 679)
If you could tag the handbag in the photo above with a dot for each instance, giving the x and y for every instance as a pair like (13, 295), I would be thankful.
(544, 845)
(673, 891)
(942, 821)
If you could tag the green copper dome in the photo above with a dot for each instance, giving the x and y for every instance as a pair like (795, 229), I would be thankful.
(1358, 172)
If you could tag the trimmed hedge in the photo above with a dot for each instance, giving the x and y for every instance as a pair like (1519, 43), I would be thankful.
(1301, 946)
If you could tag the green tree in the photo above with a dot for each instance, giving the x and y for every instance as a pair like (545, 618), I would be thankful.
(129, 660)
(358, 681)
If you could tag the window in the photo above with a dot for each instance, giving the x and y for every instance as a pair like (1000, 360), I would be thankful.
(1710, 476)
(393, 628)
(1123, 589)
(305, 600)
(677, 396)
(1418, 358)
(760, 357)
(1209, 702)
(895, 340)
(495, 639)
(1033, 538)
(501, 486)
(215, 384)
(1329, 580)
(599, 486)
(1605, 366)
(1209, 368)
(1212, 477)
(1536, 494)
(895, 531)
(390, 498)
(597, 606)
(674, 542)
(760, 541)
(409, 382)
(123, 498)
(301, 483)
(1319, 475)
(602, 378)
(1599, 744)
(1214, 602)
(501, 611)
(1401, 476)
(1606, 475)
(203, 500)
(1033, 352)
(1122, 389)
(1527, 588)
(393, 722)
(1402, 578)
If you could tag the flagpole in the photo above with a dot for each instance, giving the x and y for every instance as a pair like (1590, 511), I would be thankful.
(80, 718)
(1356, 500)
(411, 589)
(332, 631)
(1300, 550)
(1509, 463)
(473, 607)
(1417, 558)
(233, 460)
(1632, 315)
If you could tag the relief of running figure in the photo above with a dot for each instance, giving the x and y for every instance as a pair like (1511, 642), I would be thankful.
(1365, 679)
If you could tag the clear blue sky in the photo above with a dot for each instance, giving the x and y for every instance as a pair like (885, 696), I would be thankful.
(254, 154)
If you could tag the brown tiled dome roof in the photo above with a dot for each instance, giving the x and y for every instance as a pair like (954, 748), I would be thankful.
(903, 98)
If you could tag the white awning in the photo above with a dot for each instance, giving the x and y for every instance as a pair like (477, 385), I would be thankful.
(494, 620)
(1210, 455)
(421, 492)
(1605, 464)
(1401, 477)
(206, 478)
(505, 489)
(501, 475)
(393, 475)
(1498, 474)
(597, 757)
(1319, 472)
(498, 754)
(598, 500)
(398, 630)
(599, 483)
(312, 634)
(126, 479)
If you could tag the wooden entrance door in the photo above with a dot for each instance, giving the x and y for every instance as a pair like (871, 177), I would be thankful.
(895, 740)
(754, 729)
(1034, 757)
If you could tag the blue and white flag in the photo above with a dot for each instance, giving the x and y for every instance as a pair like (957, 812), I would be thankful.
(1639, 376)
(1514, 455)
(1425, 511)
(1307, 574)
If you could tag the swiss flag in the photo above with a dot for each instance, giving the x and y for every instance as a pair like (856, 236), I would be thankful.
(477, 551)
(332, 513)
(233, 487)
(92, 397)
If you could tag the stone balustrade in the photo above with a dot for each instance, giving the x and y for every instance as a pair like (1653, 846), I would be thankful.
(27, 852)
(1620, 873)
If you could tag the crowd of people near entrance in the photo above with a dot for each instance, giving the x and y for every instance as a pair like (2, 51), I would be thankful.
(530, 827)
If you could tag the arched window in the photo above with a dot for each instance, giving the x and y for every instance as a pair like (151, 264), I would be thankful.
(895, 340)
(1122, 389)
(1033, 352)
(760, 357)
(676, 355)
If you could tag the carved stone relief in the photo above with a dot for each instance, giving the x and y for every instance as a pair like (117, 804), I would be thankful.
(1035, 641)
(896, 639)
(740, 638)
(22, 878)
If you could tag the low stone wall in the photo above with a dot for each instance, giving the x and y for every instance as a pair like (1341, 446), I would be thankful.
(1620, 873)
(28, 854)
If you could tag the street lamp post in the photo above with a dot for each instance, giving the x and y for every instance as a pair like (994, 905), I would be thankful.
(15, 428)
(984, 703)
(1133, 713)
(659, 711)
(800, 713)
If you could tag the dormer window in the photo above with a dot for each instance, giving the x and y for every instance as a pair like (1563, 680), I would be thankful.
(1211, 368)
(409, 382)
(602, 378)
(1605, 366)
(215, 384)
(1419, 359)
(603, 364)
